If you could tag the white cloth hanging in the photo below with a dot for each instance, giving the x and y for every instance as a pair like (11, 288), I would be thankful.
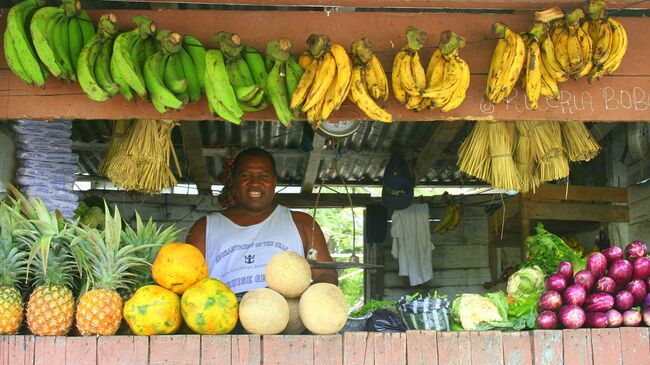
(412, 243)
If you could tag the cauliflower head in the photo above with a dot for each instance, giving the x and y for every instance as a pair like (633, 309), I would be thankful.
(526, 281)
(472, 309)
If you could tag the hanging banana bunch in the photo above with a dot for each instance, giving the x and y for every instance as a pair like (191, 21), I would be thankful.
(507, 61)
(93, 65)
(531, 75)
(450, 220)
(326, 81)
(408, 77)
(283, 77)
(571, 44)
(551, 65)
(369, 83)
(130, 51)
(249, 94)
(19, 51)
(58, 35)
(448, 75)
(608, 37)
(222, 100)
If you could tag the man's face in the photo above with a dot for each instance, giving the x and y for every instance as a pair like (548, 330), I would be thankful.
(254, 183)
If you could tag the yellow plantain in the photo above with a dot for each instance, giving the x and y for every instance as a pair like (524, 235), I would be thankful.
(532, 74)
(586, 49)
(304, 85)
(514, 64)
(380, 75)
(360, 96)
(460, 91)
(305, 60)
(406, 75)
(324, 77)
(419, 75)
(435, 69)
(550, 61)
(398, 89)
(601, 37)
(371, 82)
(330, 99)
(617, 51)
(549, 85)
(343, 75)
(575, 52)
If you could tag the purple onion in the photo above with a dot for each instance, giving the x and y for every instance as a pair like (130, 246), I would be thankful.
(632, 318)
(572, 316)
(596, 320)
(556, 282)
(635, 250)
(565, 268)
(585, 279)
(620, 271)
(638, 290)
(547, 320)
(641, 268)
(605, 285)
(624, 300)
(574, 294)
(597, 264)
(646, 301)
(551, 300)
(613, 254)
(647, 284)
(645, 314)
(614, 317)
(600, 302)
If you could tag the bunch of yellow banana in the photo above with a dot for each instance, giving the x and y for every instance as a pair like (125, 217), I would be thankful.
(447, 76)
(535, 79)
(249, 94)
(369, 82)
(93, 64)
(19, 52)
(572, 45)
(450, 220)
(507, 61)
(59, 34)
(408, 78)
(608, 37)
(325, 83)
(551, 66)
(282, 80)
(130, 51)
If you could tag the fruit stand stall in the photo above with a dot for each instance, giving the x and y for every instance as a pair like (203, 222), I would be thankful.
(462, 35)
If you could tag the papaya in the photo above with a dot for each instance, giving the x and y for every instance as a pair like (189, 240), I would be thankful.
(153, 310)
(209, 307)
(178, 266)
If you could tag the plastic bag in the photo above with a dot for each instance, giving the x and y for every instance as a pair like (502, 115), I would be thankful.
(425, 313)
(383, 320)
(65, 158)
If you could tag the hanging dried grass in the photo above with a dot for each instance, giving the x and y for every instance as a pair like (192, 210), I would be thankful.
(504, 170)
(120, 128)
(578, 142)
(524, 158)
(555, 168)
(474, 154)
(545, 139)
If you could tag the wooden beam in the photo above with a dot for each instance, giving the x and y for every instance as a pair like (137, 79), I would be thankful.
(575, 212)
(193, 150)
(555, 192)
(624, 96)
(313, 163)
(438, 142)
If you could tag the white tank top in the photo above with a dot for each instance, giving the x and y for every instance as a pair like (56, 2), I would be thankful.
(238, 255)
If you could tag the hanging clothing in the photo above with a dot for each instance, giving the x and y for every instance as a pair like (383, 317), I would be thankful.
(376, 224)
(238, 255)
(412, 243)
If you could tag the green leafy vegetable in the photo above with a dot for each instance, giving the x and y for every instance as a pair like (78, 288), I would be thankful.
(373, 305)
(548, 250)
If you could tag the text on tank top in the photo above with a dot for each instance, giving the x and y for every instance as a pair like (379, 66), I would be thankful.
(238, 255)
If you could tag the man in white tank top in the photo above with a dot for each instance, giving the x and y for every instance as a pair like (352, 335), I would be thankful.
(239, 241)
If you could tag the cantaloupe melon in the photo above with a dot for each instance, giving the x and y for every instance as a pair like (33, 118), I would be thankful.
(323, 309)
(264, 311)
(288, 273)
(295, 326)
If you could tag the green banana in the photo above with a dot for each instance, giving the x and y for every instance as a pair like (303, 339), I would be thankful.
(122, 57)
(190, 71)
(246, 93)
(276, 90)
(218, 89)
(86, 72)
(160, 95)
(125, 89)
(173, 75)
(13, 61)
(138, 55)
(75, 39)
(87, 27)
(150, 46)
(39, 32)
(102, 68)
(17, 20)
(255, 63)
(291, 79)
(60, 43)
(234, 75)
(244, 70)
(195, 49)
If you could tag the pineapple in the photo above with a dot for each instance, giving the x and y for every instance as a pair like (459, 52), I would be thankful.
(13, 269)
(51, 266)
(109, 265)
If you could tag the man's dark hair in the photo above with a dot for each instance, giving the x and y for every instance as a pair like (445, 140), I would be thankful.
(252, 152)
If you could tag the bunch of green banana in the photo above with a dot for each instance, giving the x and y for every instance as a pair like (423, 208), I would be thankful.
(93, 64)
(282, 79)
(250, 94)
(59, 34)
(164, 75)
(222, 100)
(325, 84)
(572, 45)
(130, 50)
(507, 61)
(369, 82)
(19, 52)
(450, 220)
(608, 37)
(408, 77)
(447, 75)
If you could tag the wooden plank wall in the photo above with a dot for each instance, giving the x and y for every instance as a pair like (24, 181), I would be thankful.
(639, 203)
(625, 346)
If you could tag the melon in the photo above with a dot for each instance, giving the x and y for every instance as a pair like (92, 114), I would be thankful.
(323, 309)
(295, 326)
(153, 310)
(288, 274)
(179, 266)
(209, 307)
(263, 311)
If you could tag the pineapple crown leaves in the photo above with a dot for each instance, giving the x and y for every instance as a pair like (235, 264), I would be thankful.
(13, 257)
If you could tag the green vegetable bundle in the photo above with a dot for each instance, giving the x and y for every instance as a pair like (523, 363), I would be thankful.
(547, 250)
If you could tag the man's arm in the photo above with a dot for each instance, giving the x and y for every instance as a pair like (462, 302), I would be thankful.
(196, 236)
(304, 223)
